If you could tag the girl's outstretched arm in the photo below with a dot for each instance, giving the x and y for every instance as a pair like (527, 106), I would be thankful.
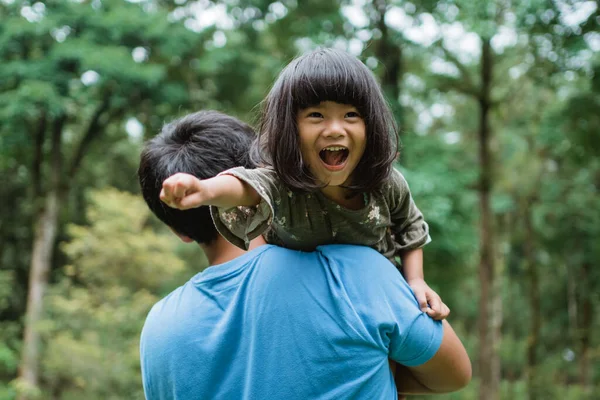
(185, 191)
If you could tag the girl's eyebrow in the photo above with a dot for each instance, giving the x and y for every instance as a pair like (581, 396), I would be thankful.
(303, 109)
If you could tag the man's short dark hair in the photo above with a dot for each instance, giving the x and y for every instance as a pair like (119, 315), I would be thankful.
(203, 144)
(315, 77)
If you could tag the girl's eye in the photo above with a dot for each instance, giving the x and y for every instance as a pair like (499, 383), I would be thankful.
(352, 114)
(315, 114)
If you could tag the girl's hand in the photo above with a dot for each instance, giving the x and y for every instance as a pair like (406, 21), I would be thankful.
(429, 301)
(183, 191)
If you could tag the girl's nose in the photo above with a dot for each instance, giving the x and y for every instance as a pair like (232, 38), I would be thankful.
(334, 129)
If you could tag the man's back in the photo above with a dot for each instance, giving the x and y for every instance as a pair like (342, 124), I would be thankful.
(276, 323)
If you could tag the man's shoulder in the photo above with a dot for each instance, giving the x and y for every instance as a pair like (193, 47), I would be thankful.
(371, 276)
(162, 325)
(355, 256)
(271, 253)
(161, 307)
(360, 257)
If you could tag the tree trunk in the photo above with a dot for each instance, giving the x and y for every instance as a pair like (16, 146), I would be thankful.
(496, 316)
(36, 167)
(43, 244)
(512, 295)
(45, 236)
(585, 330)
(496, 328)
(572, 302)
(488, 389)
(534, 303)
(390, 55)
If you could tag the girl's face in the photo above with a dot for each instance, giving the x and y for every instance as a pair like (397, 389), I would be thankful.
(332, 141)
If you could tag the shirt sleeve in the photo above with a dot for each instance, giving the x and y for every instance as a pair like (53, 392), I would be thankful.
(239, 225)
(417, 343)
(387, 311)
(412, 336)
(408, 225)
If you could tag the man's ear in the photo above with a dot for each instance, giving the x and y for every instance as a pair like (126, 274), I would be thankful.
(184, 238)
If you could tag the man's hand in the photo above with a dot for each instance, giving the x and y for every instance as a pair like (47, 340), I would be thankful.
(183, 191)
(429, 301)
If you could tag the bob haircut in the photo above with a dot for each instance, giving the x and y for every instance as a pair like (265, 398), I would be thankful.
(315, 77)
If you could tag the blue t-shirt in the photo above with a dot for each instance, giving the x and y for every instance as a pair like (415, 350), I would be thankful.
(283, 324)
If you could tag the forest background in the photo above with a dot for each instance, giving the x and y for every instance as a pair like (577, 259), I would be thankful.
(499, 107)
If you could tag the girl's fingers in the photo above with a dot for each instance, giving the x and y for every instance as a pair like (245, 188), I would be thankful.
(166, 198)
(421, 299)
(180, 187)
(174, 191)
(435, 303)
(446, 311)
(192, 201)
(443, 312)
(435, 314)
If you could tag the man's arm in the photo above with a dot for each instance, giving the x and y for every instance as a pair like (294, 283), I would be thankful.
(447, 371)
(184, 191)
(406, 383)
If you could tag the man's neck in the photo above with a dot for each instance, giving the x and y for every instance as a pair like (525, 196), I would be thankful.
(221, 251)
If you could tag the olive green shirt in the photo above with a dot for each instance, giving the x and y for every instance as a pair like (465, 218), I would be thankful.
(389, 222)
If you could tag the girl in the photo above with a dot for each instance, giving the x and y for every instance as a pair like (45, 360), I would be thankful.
(328, 141)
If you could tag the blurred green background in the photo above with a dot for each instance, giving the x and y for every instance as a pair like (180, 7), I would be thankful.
(499, 108)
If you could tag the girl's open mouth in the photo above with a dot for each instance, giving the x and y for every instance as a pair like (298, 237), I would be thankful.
(334, 156)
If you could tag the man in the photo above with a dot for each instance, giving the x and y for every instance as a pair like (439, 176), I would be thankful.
(273, 323)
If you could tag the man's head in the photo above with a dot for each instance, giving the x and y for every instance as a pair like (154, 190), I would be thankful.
(202, 144)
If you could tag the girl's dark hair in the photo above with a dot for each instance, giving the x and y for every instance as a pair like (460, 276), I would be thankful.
(325, 75)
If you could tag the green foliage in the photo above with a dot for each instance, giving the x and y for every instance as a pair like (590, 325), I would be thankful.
(118, 268)
(441, 189)
(114, 260)
(9, 357)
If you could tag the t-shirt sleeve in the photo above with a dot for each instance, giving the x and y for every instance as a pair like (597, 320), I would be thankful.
(239, 225)
(412, 336)
(386, 309)
(408, 225)
(416, 343)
